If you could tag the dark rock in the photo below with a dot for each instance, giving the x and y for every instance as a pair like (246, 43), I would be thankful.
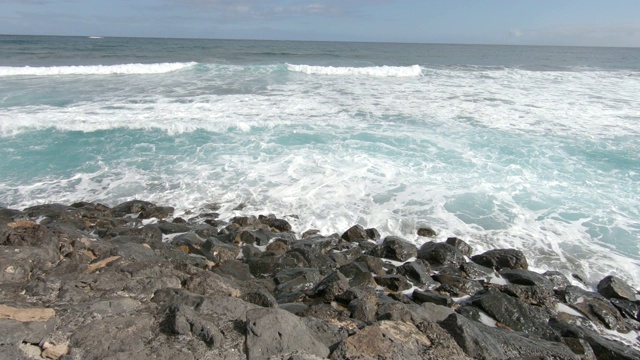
(151, 232)
(374, 264)
(483, 342)
(394, 311)
(276, 331)
(501, 259)
(259, 237)
(297, 280)
(515, 314)
(418, 272)
(456, 285)
(279, 224)
(28, 233)
(602, 348)
(142, 210)
(220, 251)
(557, 279)
(614, 287)
(363, 309)
(393, 282)
(426, 232)
(278, 246)
(355, 233)
(173, 227)
(245, 221)
(420, 297)
(478, 272)
(332, 285)
(357, 273)
(628, 309)
(592, 305)
(270, 263)
(532, 295)
(526, 277)
(327, 333)
(295, 308)
(429, 312)
(461, 245)
(579, 347)
(373, 234)
(260, 297)
(396, 248)
(440, 254)
(235, 269)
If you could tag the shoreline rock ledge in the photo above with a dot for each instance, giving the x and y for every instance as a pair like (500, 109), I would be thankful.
(88, 281)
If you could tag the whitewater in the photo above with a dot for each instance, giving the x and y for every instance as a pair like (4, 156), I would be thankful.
(532, 148)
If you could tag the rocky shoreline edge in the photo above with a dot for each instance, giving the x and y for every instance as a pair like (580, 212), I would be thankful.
(87, 281)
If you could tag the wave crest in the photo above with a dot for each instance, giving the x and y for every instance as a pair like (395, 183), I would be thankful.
(377, 71)
(158, 68)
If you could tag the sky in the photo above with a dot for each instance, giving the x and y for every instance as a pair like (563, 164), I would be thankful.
(525, 22)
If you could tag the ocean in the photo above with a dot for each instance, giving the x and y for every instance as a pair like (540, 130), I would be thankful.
(534, 148)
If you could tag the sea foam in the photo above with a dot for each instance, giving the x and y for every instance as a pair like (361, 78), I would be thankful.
(94, 69)
(377, 71)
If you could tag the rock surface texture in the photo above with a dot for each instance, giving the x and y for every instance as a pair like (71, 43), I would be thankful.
(88, 281)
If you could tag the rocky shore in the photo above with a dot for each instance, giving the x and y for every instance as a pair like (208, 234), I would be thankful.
(87, 281)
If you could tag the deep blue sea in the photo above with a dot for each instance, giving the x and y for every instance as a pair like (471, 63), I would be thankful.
(535, 148)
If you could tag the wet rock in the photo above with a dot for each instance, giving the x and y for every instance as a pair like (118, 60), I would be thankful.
(418, 272)
(142, 210)
(275, 331)
(557, 279)
(592, 305)
(278, 246)
(461, 245)
(426, 232)
(515, 314)
(220, 251)
(501, 259)
(279, 224)
(297, 280)
(373, 264)
(602, 348)
(173, 227)
(258, 237)
(355, 233)
(393, 282)
(357, 274)
(372, 234)
(440, 254)
(532, 295)
(614, 287)
(456, 285)
(483, 342)
(420, 297)
(396, 248)
(477, 272)
(332, 285)
(628, 309)
(270, 263)
(526, 277)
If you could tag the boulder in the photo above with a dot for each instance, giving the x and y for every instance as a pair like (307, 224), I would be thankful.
(418, 272)
(396, 248)
(526, 277)
(275, 331)
(614, 287)
(593, 305)
(420, 297)
(426, 232)
(393, 282)
(356, 233)
(461, 245)
(440, 254)
(501, 259)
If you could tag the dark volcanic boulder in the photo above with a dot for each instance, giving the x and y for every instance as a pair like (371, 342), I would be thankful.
(420, 297)
(332, 285)
(393, 282)
(142, 210)
(456, 285)
(515, 314)
(502, 258)
(356, 233)
(614, 287)
(396, 248)
(426, 232)
(526, 277)
(440, 254)
(460, 245)
(418, 272)
(597, 308)
(279, 224)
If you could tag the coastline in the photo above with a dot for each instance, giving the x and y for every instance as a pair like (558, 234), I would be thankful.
(248, 287)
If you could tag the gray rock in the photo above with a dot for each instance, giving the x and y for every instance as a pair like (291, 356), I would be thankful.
(331, 286)
(557, 279)
(614, 287)
(393, 282)
(593, 305)
(526, 277)
(420, 297)
(275, 331)
(182, 320)
(417, 272)
(456, 285)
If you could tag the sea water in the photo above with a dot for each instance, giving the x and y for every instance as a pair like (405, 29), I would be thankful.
(534, 148)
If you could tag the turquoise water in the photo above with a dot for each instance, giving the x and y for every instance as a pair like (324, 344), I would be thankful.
(505, 146)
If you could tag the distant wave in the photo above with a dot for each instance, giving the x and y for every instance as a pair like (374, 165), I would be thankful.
(93, 69)
(378, 71)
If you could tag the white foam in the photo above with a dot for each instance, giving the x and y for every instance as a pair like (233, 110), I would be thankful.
(129, 69)
(376, 71)
(560, 307)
